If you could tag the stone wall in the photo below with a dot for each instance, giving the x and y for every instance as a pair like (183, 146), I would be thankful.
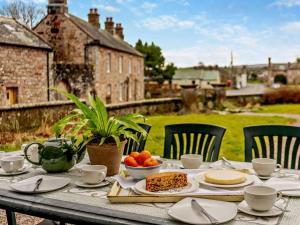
(32, 116)
(24, 69)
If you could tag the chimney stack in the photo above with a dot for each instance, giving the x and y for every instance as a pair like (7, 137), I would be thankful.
(94, 18)
(57, 6)
(119, 31)
(269, 61)
(109, 25)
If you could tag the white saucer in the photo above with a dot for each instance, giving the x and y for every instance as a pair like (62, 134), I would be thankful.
(243, 207)
(200, 178)
(222, 211)
(85, 185)
(25, 169)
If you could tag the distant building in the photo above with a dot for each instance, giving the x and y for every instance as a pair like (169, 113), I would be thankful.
(198, 76)
(284, 72)
(25, 64)
(89, 59)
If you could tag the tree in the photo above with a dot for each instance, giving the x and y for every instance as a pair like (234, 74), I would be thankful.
(155, 62)
(27, 12)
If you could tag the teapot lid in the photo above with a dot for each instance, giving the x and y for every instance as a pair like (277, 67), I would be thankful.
(57, 142)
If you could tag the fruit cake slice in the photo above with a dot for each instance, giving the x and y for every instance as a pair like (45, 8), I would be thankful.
(166, 181)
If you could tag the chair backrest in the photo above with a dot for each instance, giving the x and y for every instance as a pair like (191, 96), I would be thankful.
(278, 142)
(132, 145)
(204, 139)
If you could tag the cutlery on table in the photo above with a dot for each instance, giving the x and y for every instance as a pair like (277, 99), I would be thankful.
(37, 184)
(229, 164)
(196, 205)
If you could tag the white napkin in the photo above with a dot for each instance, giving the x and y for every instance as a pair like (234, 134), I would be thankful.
(238, 165)
(283, 183)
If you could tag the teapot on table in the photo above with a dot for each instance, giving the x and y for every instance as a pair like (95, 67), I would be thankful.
(55, 155)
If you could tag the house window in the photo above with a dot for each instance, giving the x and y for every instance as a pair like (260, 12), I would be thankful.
(11, 96)
(108, 63)
(108, 94)
(121, 85)
(138, 68)
(130, 66)
(120, 64)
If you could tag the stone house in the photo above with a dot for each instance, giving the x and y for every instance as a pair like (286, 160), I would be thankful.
(89, 59)
(25, 64)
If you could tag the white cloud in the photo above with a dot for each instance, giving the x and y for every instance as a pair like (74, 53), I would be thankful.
(286, 3)
(165, 22)
(291, 27)
(149, 6)
(34, 1)
(108, 8)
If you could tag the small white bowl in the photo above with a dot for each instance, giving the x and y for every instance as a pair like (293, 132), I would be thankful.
(142, 172)
(191, 161)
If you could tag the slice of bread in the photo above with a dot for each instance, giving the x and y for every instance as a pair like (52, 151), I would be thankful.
(166, 181)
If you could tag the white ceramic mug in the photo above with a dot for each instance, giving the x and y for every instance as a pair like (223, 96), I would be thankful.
(93, 174)
(191, 161)
(12, 163)
(265, 167)
(261, 198)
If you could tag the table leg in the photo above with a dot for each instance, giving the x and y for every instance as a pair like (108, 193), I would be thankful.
(11, 217)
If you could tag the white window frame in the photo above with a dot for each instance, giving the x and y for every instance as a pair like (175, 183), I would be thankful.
(108, 62)
(120, 64)
(130, 66)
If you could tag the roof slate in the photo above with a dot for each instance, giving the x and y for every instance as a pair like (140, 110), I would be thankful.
(14, 33)
(103, 37)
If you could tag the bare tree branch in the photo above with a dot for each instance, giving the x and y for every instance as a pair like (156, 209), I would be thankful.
(27, 12)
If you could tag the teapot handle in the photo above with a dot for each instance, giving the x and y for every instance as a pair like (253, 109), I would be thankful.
(26, 156)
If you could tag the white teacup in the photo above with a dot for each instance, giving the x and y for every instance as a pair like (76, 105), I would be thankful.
(260, 198)
(12, 163)
(191, 161)
(93, 174)
(265, 167)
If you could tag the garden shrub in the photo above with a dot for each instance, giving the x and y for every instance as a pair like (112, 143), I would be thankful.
(282, 95)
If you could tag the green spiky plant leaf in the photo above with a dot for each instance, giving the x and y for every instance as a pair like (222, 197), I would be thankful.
(91, 123)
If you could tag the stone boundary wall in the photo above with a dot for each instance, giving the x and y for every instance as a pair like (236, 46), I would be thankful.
(27, 117)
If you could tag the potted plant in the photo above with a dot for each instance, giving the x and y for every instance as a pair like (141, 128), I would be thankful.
(104, 136)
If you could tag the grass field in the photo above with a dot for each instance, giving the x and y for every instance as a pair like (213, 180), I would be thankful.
(281, 108)
(233, 141)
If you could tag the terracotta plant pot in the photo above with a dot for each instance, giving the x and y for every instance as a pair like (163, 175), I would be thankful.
(108, 155)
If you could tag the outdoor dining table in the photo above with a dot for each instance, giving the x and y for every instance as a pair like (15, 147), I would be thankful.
(90, 206)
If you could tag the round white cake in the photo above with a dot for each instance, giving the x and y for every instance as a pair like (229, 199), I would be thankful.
(227, 177)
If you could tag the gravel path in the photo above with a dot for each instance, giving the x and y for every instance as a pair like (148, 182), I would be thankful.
(21, 219)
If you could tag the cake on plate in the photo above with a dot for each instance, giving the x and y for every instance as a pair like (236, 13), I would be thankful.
(225, 177)
(166, 181)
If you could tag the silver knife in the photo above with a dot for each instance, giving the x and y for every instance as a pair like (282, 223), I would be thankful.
(37, 184)
(196, 205)
(229, 164)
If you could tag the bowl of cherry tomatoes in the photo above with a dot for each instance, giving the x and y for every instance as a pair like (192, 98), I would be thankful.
(141, 164)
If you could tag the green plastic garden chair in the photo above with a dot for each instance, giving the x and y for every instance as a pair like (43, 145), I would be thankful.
(278, 142)
(132, 145)
(191, 138)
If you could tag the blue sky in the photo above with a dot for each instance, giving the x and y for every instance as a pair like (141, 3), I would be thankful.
(190, 31)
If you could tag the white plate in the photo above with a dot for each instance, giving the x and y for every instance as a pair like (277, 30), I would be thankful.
(141, 187)
(200, 178)
(243, 207)
(85, 185)
(222, 211)
(48, 184)
(25, 169)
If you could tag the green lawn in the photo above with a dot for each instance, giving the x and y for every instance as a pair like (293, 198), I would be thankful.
(281, 108)
(233, 141)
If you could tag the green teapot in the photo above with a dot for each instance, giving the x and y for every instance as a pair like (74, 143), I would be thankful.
(55, 155)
